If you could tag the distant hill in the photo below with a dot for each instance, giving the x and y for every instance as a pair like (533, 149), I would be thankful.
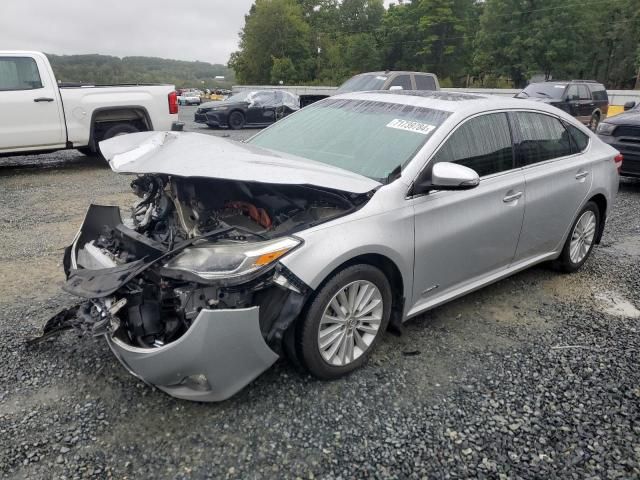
(108, 69)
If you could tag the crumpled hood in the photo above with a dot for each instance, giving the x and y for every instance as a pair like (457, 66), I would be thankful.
(188, 154)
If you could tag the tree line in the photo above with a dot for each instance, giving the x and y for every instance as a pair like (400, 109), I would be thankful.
(105, 69)
(488, 43)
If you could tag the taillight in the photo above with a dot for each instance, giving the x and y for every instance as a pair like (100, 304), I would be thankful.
(618, 161)
(173, 102)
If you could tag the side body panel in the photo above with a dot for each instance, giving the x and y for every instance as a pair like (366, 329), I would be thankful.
(384, 226)
(555, 191)
(81, 102)
(461, 236)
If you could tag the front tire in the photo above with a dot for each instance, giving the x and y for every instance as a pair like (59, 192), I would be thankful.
(581, 239)
(236, 120)
(345, 321)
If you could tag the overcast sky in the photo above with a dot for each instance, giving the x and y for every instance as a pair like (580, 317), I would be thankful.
(204, 30)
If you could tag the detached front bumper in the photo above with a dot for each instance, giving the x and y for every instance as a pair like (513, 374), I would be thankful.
(221, 353)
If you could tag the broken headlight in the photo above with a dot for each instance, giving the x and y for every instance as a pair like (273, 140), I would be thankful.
(231, 260)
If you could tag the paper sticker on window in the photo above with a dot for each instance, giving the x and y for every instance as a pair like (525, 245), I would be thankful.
(559, 86)
(381, 78)
(411, 126)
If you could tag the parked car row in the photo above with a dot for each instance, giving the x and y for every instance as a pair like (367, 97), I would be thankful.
(190, 97)
(249, 108)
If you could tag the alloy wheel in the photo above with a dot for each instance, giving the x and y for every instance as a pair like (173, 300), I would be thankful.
(582, 237)
(350, 323)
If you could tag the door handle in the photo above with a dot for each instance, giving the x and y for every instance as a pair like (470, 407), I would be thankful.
(512, 197)
(43, 99)
(581, 175)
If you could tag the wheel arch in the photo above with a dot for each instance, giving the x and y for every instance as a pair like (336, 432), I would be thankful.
(388, 267)
(601, 201)
(234, 110)
(103, 118)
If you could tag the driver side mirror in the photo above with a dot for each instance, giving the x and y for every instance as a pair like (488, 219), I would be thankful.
(448, 176)
(629, 105)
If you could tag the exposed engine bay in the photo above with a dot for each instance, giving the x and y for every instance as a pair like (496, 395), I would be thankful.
(192, 244)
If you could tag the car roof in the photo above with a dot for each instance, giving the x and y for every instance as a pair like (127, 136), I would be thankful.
(461, 103)
(568, 82)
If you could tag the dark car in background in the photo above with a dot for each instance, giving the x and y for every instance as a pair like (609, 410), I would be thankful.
(257, 108)
(622, 132)
(397, 80)
(587, 100)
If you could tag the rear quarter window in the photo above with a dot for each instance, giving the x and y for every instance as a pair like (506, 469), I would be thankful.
(580, 139)
(598, 92)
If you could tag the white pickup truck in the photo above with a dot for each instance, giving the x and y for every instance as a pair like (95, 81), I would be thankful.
(39, 115)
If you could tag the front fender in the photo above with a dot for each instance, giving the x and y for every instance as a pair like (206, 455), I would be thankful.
(390, 234)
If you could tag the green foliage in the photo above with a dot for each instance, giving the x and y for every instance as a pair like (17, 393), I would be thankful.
(273, 29)
(558, 39)
(103, 69)
(497, 43)
(283, 71)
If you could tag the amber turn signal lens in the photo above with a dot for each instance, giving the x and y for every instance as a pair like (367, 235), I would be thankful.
(267, 258)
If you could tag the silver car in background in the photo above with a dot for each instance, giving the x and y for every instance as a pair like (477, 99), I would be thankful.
(307, 241)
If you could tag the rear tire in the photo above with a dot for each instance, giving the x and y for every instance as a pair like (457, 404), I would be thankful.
(88, 151)
(581, 239)
(116, 131)
(345, 321)
(236, 120)
(594, 122)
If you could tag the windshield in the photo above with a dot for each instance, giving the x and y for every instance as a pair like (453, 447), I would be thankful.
(362, 83)
(543, 90)
(362, 136)
(240, 97)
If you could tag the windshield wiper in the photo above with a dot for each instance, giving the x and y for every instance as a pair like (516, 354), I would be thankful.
(545, 94)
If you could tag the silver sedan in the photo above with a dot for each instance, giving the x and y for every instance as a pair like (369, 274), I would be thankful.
(309, 240)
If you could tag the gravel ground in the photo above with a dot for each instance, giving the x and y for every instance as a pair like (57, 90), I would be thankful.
(534, 377)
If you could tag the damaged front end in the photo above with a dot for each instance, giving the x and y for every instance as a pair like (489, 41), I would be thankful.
(188, 291)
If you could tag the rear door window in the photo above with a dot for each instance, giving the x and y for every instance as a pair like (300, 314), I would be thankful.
(403, 81)
(425, 82)
(580, 139)
(540, 137)
(572, 92)
(482, 144)
(19, 73)
(583, 91)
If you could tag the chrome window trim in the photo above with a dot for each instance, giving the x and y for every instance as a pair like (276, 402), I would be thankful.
(408, 196)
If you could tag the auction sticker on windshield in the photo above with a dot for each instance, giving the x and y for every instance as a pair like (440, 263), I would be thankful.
(411, 126)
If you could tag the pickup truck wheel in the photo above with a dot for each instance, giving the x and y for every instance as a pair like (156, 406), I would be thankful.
(345, 321)
(116, 131)
(236, 120)
(86, 151)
